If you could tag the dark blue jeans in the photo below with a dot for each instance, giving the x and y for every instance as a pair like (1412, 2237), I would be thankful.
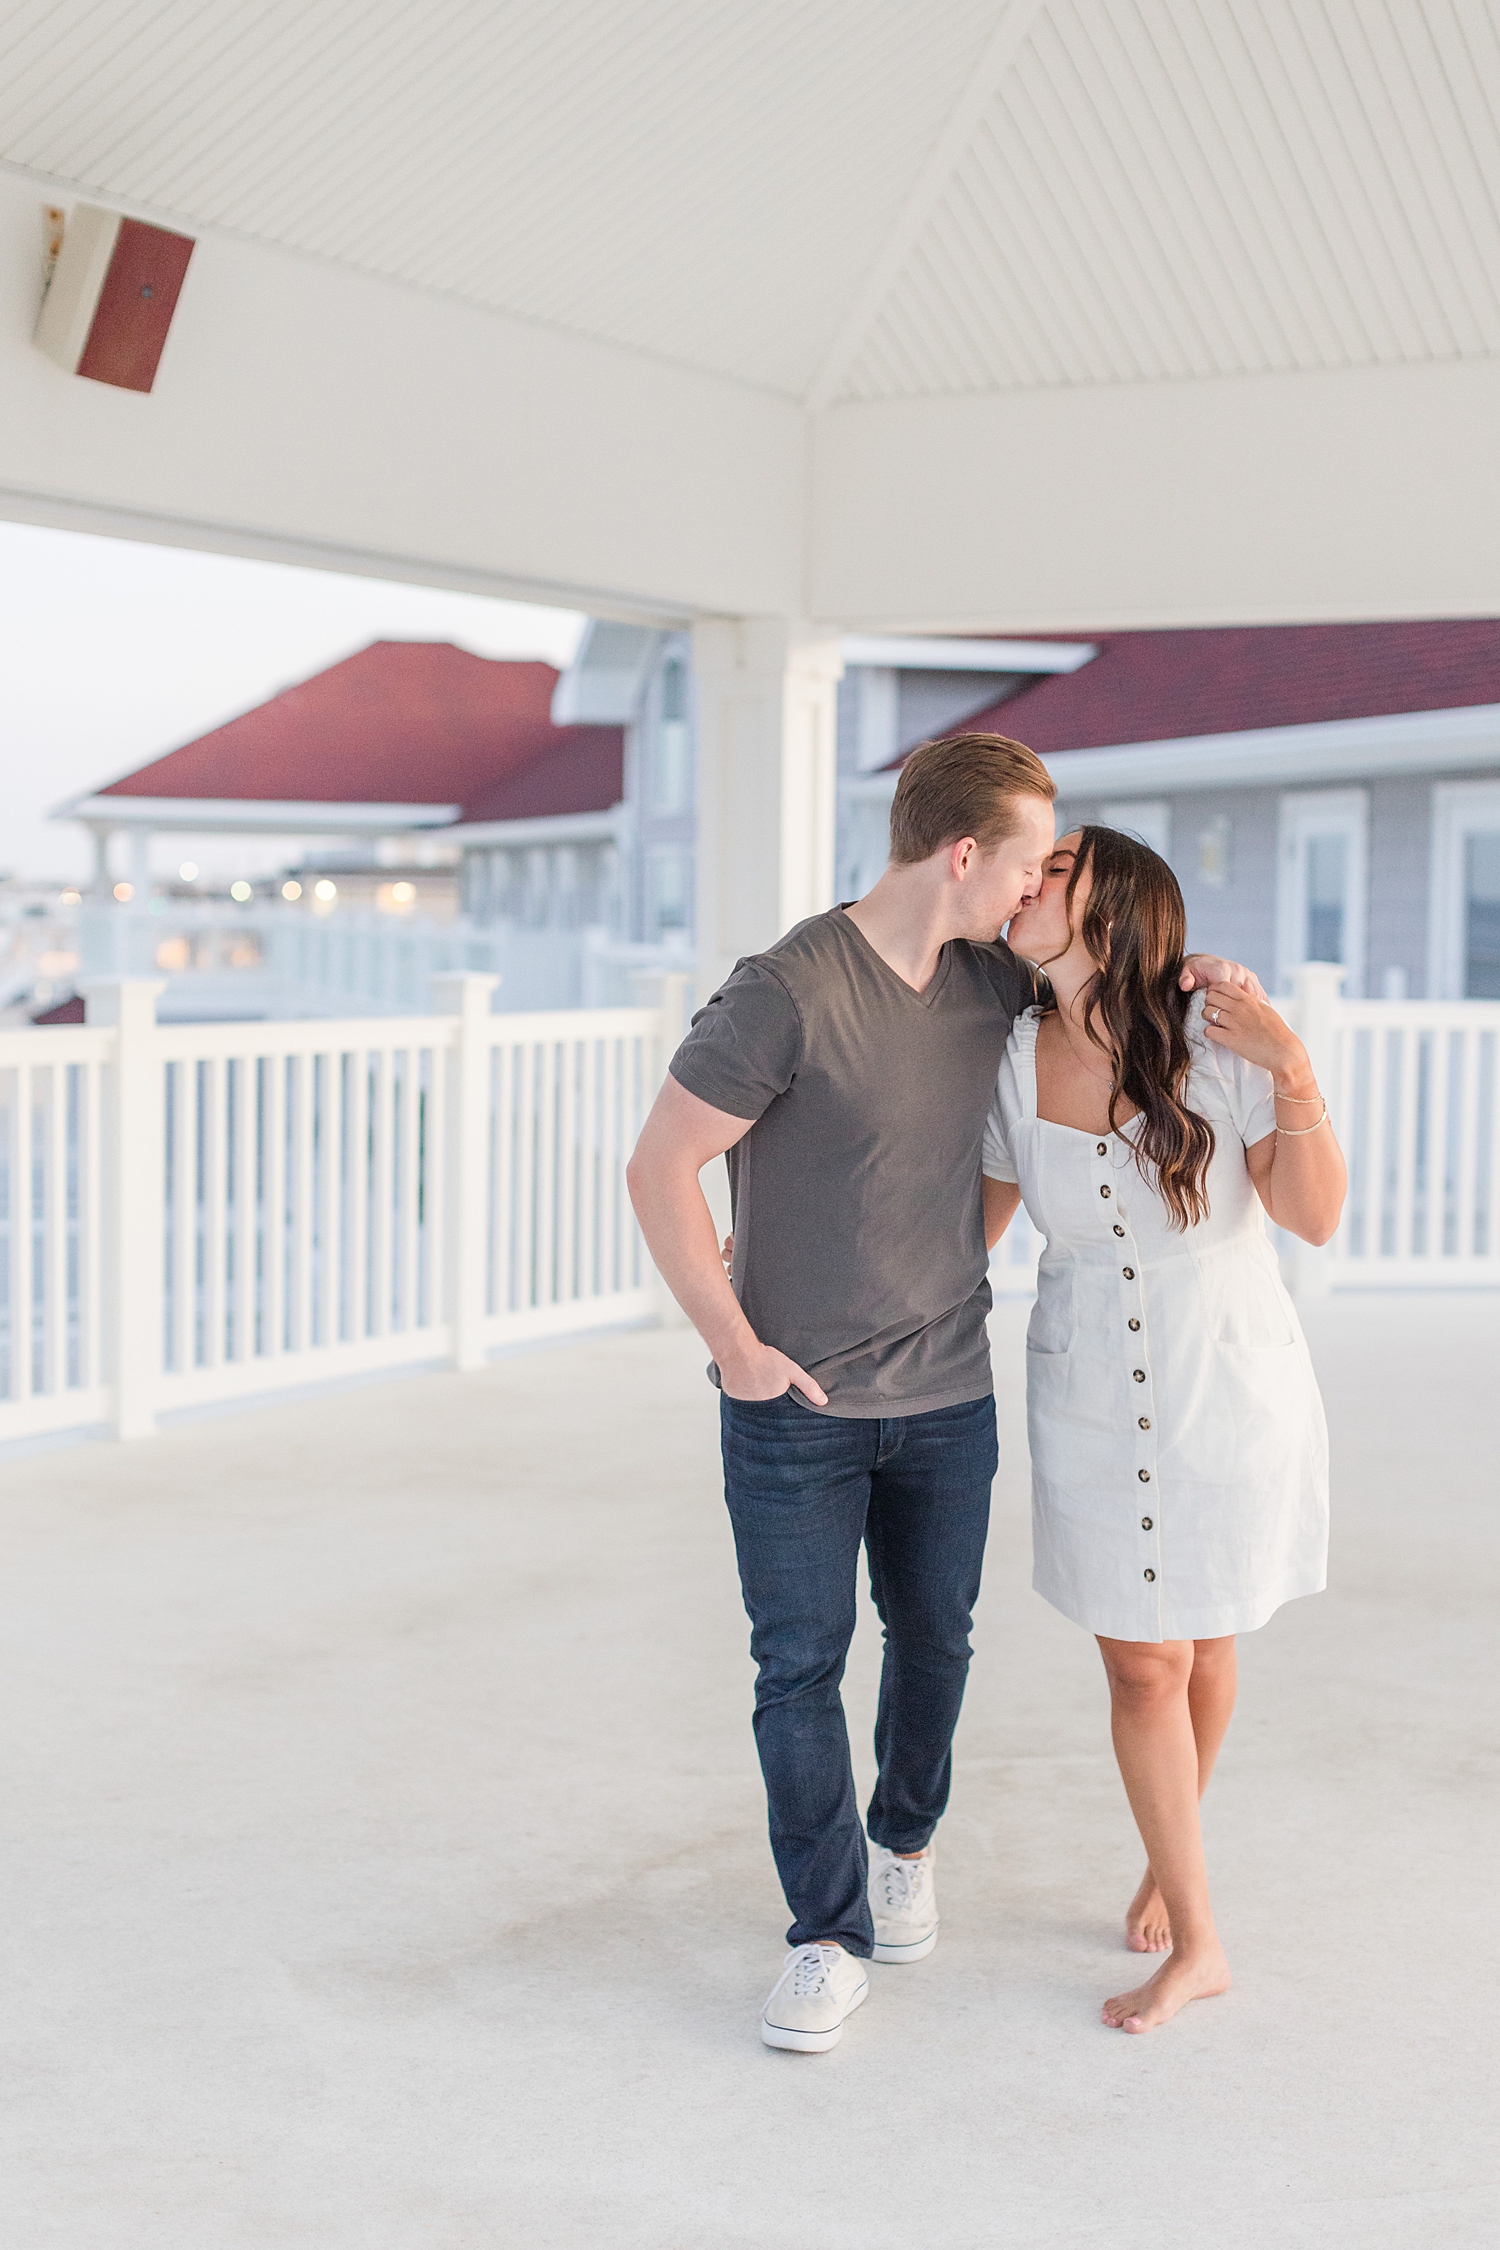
(803, 1490)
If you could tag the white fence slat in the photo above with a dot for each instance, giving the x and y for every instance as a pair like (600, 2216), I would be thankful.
(215, 1127)
(408, 1192)
(590, 1281)
(523, 1207)
(357, 1190)
(21, 1299)
(611, 1166)
(1492, 1155)
(566, 1197)
(1466, 1152)
(499, 1210)
(547, 1172)
(302, 1200)
(325, 1090)
(1409, 1047)
(90, 1142)
(1435, 1181)
(184, 1221)
(240, 1246)
(1378, 1114)
(269, 1343)
(57, 1232)
(438, 1190)
(382, 1190)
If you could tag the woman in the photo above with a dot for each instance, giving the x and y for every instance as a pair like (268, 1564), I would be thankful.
(1179, 1456)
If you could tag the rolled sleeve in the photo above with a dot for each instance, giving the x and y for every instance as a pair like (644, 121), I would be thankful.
(1252, 1101)
(744, 1046)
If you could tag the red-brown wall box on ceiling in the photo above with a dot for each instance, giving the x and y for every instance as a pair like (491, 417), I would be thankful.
(111, 298)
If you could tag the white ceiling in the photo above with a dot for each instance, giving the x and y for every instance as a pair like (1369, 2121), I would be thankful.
(1170, 188)
(826, 198)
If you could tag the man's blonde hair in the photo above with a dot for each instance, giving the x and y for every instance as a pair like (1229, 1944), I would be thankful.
(962, 785)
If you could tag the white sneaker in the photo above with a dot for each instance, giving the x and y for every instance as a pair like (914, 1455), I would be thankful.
(903, 1901)
(818, 1988)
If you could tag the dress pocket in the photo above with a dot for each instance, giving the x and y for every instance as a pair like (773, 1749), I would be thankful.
(1051, 1328)
(1244, 1304)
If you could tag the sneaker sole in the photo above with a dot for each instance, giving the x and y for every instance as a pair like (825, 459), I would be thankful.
(812, 2042)
(918, 1950)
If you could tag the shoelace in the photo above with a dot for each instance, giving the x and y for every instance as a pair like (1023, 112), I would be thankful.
(900, 1880)
(810, 1974)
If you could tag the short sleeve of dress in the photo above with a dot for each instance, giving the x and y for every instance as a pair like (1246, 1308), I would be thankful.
(998, 1163)
(744, 1046)
(1249, 1092)
(1252, 1098)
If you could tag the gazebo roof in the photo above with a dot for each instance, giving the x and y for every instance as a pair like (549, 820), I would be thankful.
(975, 316)
(417, 723)
(821, 198)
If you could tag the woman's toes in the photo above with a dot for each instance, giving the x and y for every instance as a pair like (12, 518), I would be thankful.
(1146, 1927)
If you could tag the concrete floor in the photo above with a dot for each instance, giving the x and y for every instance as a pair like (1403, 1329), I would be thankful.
(384, 1858)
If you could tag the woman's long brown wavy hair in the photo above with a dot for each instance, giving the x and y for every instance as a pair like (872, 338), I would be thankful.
(1134, 930)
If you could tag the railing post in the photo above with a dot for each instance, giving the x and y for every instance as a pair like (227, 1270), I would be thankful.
(1315, 994)
(466, 1213)
(133, 1180)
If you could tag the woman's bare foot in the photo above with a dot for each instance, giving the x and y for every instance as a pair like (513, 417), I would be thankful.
(1147, 1929)
(1191, 1976)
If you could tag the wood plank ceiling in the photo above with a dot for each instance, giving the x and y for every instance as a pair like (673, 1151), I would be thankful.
(826, 198)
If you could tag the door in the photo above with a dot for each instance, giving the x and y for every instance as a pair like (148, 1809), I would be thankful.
(1322, 883)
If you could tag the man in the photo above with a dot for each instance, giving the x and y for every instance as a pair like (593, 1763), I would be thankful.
(847, 1073)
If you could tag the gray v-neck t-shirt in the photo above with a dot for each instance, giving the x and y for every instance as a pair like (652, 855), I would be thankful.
(858, 1216)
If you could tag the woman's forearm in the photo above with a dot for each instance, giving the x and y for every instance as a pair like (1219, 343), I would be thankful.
(1308, 1180)
(1002, 1200)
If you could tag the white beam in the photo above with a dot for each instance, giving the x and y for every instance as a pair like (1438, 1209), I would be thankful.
(253, 816)
(916, 652)
(543, 829)
(1249, 500)
(305, 413)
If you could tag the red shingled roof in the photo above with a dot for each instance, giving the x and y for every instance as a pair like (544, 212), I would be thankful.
(1157, 687)
(403, 723)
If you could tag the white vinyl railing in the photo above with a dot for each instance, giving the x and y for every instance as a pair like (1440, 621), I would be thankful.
(1413, 1089)
(199, 1212)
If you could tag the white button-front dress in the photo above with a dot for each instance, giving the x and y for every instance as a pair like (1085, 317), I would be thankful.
(1179, 1454)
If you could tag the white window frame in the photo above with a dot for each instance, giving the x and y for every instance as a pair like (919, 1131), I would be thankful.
(1460, 809)
(1305, 813)
(1149, 819)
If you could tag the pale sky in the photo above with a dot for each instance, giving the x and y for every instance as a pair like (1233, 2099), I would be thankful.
(112, 652)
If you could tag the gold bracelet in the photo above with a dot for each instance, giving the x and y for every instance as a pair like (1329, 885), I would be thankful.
(1303, 1101)
(1300, 1132)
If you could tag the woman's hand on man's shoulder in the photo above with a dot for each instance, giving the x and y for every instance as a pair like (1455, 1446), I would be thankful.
(1200, 970)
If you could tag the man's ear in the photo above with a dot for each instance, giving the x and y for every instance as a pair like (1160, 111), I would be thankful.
(961, 857)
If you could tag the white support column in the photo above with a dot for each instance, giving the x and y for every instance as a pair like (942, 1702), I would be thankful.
(102, 881)
(133, 1182)
(466, 1202)
(140, 868)
(766, 722)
